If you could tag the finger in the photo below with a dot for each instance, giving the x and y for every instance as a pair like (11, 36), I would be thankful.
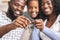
(18, 25)
(37, 20)
(33, 22)
(21, 23)
(26, 19)
(39, 24)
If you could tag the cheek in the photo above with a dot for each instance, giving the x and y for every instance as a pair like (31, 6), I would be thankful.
(42, 8)
(51, 8)
(37, 10)
(29, 10)
(14, 7)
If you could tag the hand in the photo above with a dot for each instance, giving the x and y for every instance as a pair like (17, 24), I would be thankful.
(39, 24)
(22, 21)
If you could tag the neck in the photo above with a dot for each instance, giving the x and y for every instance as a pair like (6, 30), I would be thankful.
(52, 17)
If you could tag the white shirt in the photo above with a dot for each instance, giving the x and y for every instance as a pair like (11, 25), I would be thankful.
(52, 33)
(13, 34)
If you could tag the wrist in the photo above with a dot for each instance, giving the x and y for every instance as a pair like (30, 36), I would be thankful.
(41, 29)
(13, 26)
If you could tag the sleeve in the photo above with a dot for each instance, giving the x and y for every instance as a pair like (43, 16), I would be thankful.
(4, 20)
(51, 34)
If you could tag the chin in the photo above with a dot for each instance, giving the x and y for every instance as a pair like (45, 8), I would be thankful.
(34, 17)
(47, 13)
(17, 15)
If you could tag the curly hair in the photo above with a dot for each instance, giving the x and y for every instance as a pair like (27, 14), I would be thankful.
(56, 8)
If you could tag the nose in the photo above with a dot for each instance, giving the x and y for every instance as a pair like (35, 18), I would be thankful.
(46, 5)
(19, 8)
(33, 10)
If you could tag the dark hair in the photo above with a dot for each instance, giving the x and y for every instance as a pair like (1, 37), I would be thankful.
(13, 0)
(30, 0)
(56, 8)
(38, 16)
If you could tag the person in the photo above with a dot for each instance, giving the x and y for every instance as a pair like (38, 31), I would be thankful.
(50, 28)
(32, 14)
(12, 23)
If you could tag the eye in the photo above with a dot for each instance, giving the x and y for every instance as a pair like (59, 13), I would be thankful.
(48, 3)
(42, 4)
(35, 7)
(22, 7)
(16, 4)
(30, 7)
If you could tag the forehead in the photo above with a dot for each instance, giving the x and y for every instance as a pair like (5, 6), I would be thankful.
(18, 0)
(33, 3)
(46, 0)
(22, 2)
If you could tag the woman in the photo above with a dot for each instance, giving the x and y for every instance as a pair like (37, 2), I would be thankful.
(32, 14)
(50, 28)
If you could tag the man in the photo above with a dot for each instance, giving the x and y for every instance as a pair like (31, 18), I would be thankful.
(12, 20)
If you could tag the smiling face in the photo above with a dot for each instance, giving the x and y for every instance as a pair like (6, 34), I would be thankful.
(33, 8)
(17, 6)
(47, 7)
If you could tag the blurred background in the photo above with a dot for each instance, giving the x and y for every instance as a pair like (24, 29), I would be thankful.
(4, 5)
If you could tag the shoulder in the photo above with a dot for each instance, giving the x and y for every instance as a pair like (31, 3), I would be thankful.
(2, 14)
(58, 17)
(3, 18)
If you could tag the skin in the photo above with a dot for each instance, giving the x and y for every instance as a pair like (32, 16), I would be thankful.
(33, 7)
(47, 8)
(20, 21)
(17, 6)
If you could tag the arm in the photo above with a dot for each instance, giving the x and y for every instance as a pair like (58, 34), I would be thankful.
(51, 34)
(20, 21)
(47, 31)
(6, 28)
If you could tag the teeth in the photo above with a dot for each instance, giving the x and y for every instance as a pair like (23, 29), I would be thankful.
(17, 12)
(47, 9)
(34, 13)
(21, 0)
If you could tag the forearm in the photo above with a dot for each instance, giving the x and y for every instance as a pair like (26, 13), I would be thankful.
(6, 28)
(51, 34)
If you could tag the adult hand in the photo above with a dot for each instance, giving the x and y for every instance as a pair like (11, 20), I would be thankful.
(39, 24)
(22, 21)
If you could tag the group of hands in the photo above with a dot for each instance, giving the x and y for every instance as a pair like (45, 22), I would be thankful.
(23, 21)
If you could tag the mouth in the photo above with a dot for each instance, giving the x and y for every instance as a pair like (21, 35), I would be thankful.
(46, 10)
(17, 13)
(33, 15)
